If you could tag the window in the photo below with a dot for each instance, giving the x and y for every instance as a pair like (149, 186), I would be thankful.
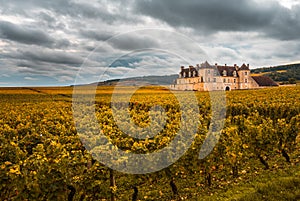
(224, 80)
(246, 73)
(228, 80)
(246, 81)
(208, 79)
(215, 79)
(234, 80)
(208, 71)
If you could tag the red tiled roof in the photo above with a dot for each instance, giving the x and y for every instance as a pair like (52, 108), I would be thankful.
(264, 81)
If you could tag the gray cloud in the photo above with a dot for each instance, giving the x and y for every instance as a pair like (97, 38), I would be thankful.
(89, 10)
(133, 42)
(96, 35)
(213, 16)
(50, 56)
(29, 36)
(24, 35)
(48, 20)
(285, 24)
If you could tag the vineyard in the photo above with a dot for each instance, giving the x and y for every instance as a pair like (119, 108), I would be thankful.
(44, 155)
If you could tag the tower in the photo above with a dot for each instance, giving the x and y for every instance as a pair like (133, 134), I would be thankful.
(244, 76)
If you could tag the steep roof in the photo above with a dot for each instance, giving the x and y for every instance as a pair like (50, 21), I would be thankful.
(206, 65)
(264, 81)
(229, 70)
(244, 67)
(187, 70)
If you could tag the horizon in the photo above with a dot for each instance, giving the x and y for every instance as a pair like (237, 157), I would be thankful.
(123, 78)
(47, 43)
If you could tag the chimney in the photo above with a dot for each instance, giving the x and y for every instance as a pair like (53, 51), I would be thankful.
(225, 64)
(248, 65)
(182, 67)
(216, 64)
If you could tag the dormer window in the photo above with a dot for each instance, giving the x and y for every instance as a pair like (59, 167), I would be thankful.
(224, 73)
(234, 73)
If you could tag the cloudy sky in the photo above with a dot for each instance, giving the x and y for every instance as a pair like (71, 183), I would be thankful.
(56, 42)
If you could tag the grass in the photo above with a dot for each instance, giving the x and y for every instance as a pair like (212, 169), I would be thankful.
(287, 188)
(277, 185)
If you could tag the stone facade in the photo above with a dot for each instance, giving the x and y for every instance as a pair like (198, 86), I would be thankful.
(206, 77)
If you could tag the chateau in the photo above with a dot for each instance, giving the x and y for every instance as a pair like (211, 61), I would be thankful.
(206, 77)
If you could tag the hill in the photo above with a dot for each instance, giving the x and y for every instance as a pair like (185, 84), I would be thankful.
(284, 73)
(153, 80)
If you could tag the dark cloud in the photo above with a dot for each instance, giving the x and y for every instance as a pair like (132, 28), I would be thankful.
(99, 35)
(231, 15)
(24, 35)
(44, 69)
(285, 25)
(30, 36)
(50, 56)
(78, 10)
(212, 15)
(133, 42)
